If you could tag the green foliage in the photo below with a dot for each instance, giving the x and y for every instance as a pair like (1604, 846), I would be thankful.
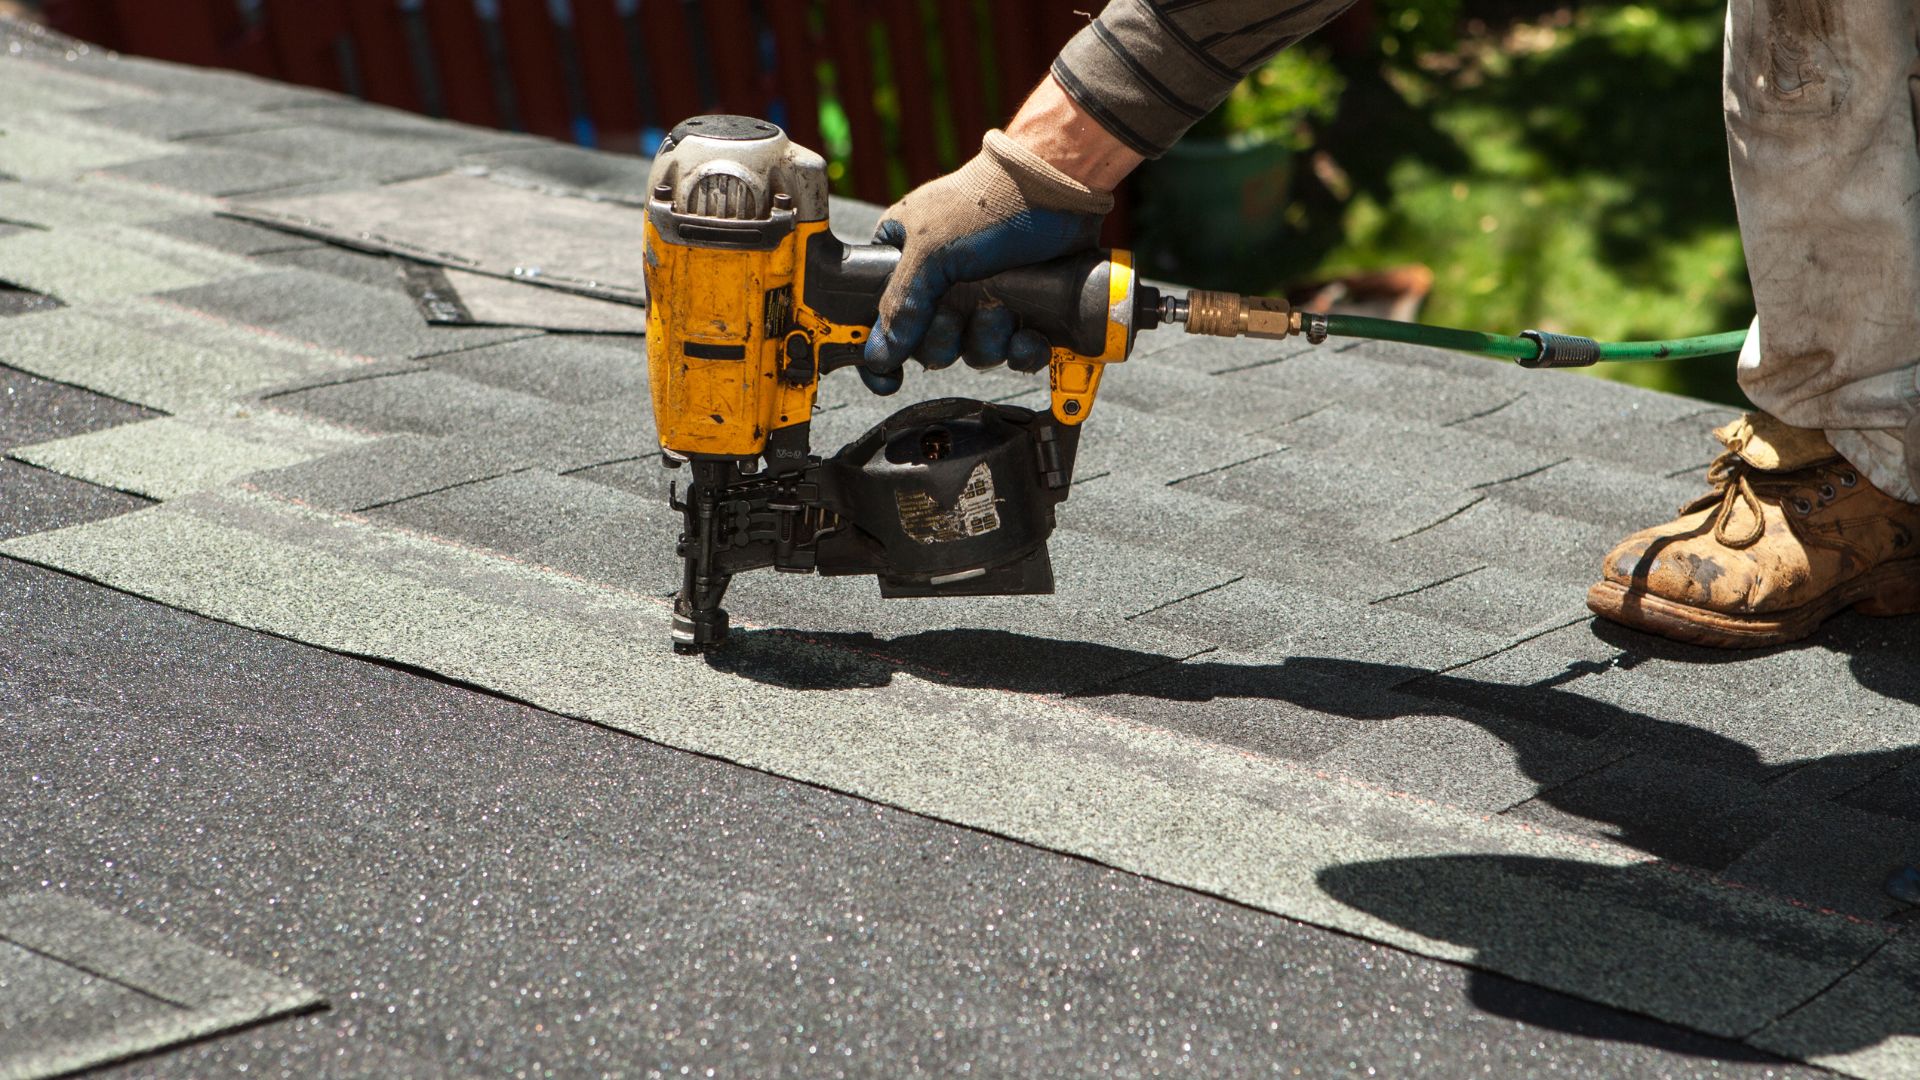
(1565, 171)
(1280, 101)
(1414, 27)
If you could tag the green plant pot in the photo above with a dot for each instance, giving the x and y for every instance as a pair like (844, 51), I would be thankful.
(1212, 212)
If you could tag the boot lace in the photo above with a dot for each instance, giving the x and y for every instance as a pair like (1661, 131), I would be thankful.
(1732, 486)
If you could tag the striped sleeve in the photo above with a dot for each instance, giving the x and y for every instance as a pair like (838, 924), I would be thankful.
(1148, 69)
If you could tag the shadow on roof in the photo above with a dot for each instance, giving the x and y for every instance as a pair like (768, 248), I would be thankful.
(1698, 800)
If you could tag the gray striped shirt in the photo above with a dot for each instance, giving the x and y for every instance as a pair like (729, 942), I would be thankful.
(1148, 69)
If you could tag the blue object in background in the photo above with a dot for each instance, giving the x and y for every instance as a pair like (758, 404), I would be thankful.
(1904, 885)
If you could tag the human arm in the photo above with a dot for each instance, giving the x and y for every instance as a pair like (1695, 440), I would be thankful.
(1123, 90)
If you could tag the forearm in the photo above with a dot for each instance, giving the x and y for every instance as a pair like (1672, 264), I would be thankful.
(1147, 70)
(1066, 136)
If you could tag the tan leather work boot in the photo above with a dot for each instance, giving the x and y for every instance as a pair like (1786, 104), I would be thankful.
(1790, 535)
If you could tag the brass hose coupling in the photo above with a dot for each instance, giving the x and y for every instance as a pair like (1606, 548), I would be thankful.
(1225, 314)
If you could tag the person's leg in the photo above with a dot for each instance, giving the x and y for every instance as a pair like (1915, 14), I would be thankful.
(1812, 511)
(1821, 129)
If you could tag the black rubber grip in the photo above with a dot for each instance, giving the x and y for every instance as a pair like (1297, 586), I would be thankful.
(1065, 300)
(1561, 350)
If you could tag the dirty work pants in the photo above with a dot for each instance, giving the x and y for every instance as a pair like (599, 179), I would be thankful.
(1823, 106)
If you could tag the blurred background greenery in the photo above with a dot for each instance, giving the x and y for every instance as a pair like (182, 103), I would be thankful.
(1490, 164)
(1554, 165)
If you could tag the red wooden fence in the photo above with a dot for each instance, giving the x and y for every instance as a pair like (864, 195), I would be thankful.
(622, 68)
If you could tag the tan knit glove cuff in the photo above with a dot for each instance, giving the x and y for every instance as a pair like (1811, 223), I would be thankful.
(1034, 182)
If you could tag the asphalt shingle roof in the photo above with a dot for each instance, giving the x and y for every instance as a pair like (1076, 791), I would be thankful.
(1318, 646)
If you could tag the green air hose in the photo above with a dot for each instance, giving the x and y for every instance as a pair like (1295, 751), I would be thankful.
(1534, 348)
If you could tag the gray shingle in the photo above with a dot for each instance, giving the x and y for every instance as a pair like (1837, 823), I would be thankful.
(1094, 575)
(170, 79)
(36, 410)
(569, 169)
(219, 172)
(1035, 645)
(645, 477)
(109, 263)
(177, 455)
(385, 152)
(1678, 811)
(1298, 554)
(1862, 1026)
(39, 87)
(229, 235)
(622, 550)
(422, 403)
(1836, 857)
(1894, 793)
(1172, 346)
(309, 307)
(95, 199)
(1537, 546)
(184, 116)
(1331, 497)
(516, 513)
(564, 438)
(1618, 500)
(1258, 616)
(1608, 422)
(1486, 763)
(1365, 378)
(155, 354)
(373, 271)
(83, 987)
(1280, 708)
(570, 369)
(38, 500)
(1234, 405)
(42, 146)
(395, 468)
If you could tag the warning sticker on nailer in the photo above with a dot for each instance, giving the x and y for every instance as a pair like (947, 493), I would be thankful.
(976, 513)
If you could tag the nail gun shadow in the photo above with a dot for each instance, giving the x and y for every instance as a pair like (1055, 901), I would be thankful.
(1681, 792)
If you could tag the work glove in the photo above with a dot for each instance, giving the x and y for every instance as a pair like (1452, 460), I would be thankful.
(1006, 208)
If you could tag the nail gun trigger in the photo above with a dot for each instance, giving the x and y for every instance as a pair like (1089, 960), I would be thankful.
(800, 366)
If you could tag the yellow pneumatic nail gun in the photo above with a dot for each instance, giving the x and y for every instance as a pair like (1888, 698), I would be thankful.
(752, 300)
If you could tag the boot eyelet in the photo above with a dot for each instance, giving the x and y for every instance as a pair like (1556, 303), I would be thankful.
(1848, 479)
(1827, 492)
(1802, 507)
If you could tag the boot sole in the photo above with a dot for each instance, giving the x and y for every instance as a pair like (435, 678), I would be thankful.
(1888, 589)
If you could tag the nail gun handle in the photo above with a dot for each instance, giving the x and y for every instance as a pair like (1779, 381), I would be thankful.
(1069, 301)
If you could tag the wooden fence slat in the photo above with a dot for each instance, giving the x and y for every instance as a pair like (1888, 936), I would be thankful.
(385, 59)
(533, 60)
(302, 35)
(907, 45)
(460, 59)
(1059, 21)
(88, 20)
(668, 42)
(795, 54)
(606, 69)
(1014, 50)
(967, 89)
(185, 31)
(853, 68)
(733, 47)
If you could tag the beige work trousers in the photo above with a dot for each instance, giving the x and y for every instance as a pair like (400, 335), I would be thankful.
(1823, 128)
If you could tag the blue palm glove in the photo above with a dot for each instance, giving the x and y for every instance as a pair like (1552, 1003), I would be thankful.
(1004, 209)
